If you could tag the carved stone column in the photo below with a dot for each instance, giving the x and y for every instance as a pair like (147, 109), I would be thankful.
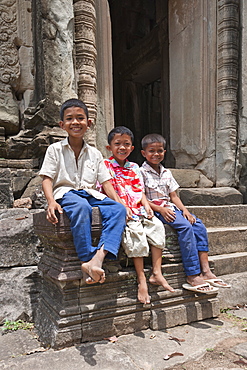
(9, 66)
(86, 54)
(105, 114)
(227, 166)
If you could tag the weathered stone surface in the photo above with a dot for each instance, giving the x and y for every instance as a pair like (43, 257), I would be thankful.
(192, 125)
(6, 193)
(19, 246)
(237, 294)
(19, 163)
(219, 216)
(204, 182)
(19, 290)
(58, 38)
(35, 192)
(229, 263)
(211, 197)
(20, 178)
(187, 178)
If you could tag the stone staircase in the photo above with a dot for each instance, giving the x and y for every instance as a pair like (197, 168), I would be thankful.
(71, 311)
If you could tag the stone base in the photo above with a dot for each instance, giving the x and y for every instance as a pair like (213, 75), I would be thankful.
(73, 312)
(70, 311)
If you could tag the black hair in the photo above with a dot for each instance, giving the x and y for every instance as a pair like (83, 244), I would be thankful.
(120, 130)
(73, 103)
(152, 138)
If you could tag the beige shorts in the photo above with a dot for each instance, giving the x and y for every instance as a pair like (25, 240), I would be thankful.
(139, 234)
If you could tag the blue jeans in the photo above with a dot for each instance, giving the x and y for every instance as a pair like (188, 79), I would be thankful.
(77, 205)
(191, 238)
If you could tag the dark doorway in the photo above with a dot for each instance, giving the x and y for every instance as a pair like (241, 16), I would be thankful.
(141, 68)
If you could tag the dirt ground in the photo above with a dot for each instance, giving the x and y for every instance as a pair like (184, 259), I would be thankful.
(222, 356)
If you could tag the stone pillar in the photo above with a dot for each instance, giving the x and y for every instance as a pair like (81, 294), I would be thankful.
(243, 104)
(227, 166)
(105, 114)
(10, 67)
(192, 38)
(86, 54)
(57, 35)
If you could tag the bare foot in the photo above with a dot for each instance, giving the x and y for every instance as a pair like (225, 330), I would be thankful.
(143, 295)
(158, 279)
(93, 273)
(195, 280)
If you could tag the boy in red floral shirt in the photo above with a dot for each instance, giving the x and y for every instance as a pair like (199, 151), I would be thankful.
(143, 228)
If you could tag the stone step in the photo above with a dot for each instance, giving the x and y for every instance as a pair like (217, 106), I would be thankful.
(224, 215)
(210, 196)
(225, 240)
(231, 263)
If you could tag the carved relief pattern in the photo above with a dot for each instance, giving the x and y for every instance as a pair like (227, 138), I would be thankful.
(86, 54)
(228, 67)
(9, 64)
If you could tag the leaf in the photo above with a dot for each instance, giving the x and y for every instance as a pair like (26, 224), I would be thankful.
(152, 336)
(176, 339)
(167, 357)
(112, 339)
(240, 362)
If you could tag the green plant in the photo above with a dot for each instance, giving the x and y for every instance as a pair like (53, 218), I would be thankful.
(15, 325)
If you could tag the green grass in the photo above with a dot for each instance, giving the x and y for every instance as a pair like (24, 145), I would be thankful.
(16, 325)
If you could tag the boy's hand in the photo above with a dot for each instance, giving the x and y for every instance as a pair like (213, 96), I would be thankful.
(52, 207)
(168, 214)
(129, 214)
(189, 216)
(149, 211)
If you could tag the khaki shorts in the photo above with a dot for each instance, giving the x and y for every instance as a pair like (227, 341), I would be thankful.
(139, 234)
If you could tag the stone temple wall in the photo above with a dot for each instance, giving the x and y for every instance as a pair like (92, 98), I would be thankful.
(52, 50)
(49, 54)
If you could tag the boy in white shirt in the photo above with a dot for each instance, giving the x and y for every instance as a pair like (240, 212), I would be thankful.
(70, 171)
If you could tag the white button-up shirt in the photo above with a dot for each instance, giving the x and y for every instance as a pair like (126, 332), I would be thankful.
(67, 174)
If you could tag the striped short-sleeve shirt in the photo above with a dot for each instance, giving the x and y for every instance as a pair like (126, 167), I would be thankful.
(158, 186)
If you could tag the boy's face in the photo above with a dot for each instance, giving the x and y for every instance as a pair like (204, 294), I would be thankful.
(75, 122)
(121, 147)
(154, 154)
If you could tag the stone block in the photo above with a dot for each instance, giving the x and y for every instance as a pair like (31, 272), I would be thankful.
(236, 295)
(6, 193)
(23, 203)
(20, 246)
(221, 216)
(19, 163)
(227, 240)
(19, 291)
(210, 196)
(185, 313)
(20, 179)
(186, 178)
(225, 264)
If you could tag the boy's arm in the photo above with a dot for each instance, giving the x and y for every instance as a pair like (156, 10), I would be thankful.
(177, 201)
(111, 193)
(52, 204)
(147, 206)
(167, 213)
